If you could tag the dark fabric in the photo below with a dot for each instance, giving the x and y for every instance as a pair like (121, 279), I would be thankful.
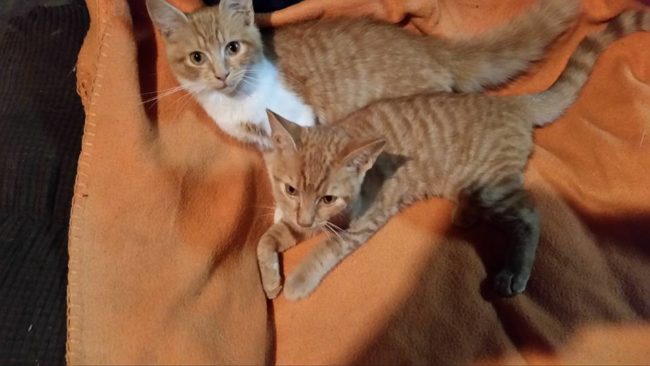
(263, 6)
(41, 123)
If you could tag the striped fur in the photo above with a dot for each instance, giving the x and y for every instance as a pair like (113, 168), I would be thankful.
(334, 67)
(565, 90)
(470, 148)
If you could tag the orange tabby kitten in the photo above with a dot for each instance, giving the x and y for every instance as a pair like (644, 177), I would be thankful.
(324, 70)
(471, 148)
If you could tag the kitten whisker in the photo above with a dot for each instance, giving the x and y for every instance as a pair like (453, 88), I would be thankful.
(262, 216)
(164, 91)
(161, 90)
(161, 95)
(263, 207)
(328, 231)
(185, 100)
(332, 229)
(247, 78)
(335, 226)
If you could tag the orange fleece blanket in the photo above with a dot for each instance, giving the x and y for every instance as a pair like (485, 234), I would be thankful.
(168, 210)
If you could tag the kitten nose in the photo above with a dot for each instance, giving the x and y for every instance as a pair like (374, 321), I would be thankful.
(222, 77)
(305, 222)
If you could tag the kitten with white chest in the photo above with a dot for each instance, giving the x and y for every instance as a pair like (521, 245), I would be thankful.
(321, 71)
(217, 56)
(239, 114)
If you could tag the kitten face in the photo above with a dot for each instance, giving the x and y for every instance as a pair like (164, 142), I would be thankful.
(212, 49)
(316, 173)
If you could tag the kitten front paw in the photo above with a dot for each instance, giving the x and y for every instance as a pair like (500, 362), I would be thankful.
(508, 283)
(272, 291)
(272, 284)
(300, 284)
(269, 263)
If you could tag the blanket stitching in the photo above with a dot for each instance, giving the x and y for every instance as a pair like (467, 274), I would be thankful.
(74, 348)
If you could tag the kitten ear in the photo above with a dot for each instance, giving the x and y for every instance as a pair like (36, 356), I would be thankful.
(284, 133)
(234, 8)
(362, 155)
(166, 17)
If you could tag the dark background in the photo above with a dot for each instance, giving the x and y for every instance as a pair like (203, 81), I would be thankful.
(41, 124)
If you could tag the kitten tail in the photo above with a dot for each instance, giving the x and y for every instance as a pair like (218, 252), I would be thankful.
(549, 105)
(507, 51)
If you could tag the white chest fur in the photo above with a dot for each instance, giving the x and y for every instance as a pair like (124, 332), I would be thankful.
(230, 112)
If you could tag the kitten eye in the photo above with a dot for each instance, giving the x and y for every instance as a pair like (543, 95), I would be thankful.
(197, 58)
(291, 191)
(328, 200)
(232, 48)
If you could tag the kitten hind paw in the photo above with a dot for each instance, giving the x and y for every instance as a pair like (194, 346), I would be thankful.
(507, 283)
